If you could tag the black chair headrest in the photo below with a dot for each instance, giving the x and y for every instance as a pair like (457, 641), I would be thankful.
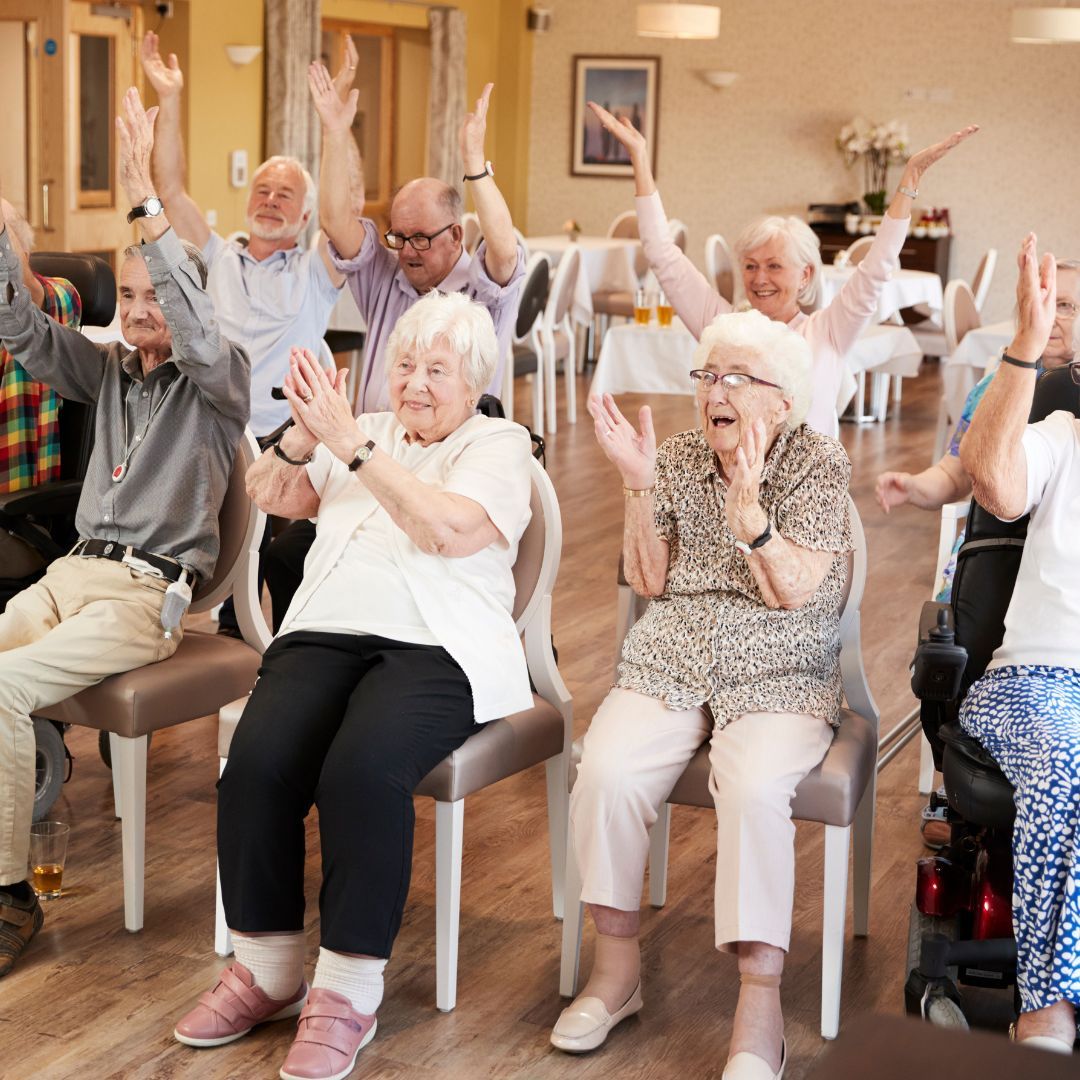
(91, 276)
(1055, 392)
(534, 297)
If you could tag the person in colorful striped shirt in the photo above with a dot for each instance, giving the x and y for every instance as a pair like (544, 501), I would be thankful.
(30, 410)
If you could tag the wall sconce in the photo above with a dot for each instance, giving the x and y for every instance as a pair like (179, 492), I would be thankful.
(718, 80)
(242, 55)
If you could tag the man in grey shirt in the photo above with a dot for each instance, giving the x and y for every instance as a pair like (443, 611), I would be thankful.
(169, 417)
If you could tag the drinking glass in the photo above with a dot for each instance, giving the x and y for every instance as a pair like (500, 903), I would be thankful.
(642, 307)
(664, 310)
(48, 853)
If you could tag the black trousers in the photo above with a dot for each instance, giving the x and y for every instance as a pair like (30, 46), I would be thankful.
(282, 564)
(351, 723)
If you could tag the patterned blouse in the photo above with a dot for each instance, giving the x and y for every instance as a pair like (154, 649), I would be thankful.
(710, 639)
(30, 410)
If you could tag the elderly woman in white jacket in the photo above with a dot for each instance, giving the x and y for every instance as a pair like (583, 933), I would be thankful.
(398, 644)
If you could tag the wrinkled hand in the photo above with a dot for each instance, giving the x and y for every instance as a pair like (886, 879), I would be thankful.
(346, 74)
(918, 163)
(892, 489)
(473, 131)
(1036, 299)
(135, 129)
(633, 454)
(623, 130)
(166, 79)
(320, 406)
(336, 114)
(745, 516)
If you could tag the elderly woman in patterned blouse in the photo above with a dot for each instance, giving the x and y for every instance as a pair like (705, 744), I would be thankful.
(739, 531)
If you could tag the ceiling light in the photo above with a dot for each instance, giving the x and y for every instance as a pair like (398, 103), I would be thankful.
(1045, 26)
(674, 20)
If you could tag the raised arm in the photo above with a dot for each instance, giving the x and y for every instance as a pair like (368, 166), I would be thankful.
(693, 296)
(341, 177)
(496, 225)
(645, 552)
(992, 451)
(169, 166)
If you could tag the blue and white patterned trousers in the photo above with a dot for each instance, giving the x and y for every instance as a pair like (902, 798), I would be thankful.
(1028, 718)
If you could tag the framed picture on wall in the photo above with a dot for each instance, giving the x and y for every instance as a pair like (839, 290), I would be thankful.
(628, 86)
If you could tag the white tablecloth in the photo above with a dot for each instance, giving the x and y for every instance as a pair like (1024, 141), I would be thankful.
(905, 288)
(657, 360)
(979, 349)
(607, 264)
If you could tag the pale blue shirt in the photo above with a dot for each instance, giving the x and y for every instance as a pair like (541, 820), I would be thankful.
(269, 306)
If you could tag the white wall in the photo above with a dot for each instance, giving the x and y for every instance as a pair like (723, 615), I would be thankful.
(767, 144)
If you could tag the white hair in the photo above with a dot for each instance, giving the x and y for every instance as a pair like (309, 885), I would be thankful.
(133, 251)
(785, 353)
(311, 194)
(463, 325)
(802, 242)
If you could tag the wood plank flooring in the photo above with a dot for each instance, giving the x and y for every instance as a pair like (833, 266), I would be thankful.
(90, 1000)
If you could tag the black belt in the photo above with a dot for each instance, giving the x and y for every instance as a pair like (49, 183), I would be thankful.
(169, 569)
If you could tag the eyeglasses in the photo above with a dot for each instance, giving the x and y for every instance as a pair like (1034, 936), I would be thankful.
(731, 380)
(420, 241)
(1066, 309)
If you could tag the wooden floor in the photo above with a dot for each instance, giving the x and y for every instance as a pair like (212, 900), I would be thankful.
(90, 1000)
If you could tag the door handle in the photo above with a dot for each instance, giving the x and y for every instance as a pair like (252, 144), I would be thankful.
(46, 224)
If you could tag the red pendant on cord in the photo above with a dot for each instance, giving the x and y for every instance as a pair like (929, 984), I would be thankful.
(118, 473)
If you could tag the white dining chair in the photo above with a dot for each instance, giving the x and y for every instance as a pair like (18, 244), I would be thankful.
(959, 315)
(558, 336)
(720, 266)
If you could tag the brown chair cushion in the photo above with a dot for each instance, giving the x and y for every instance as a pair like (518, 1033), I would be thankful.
(498, 750)
(613, 303)
(204, 673)
(829, 794)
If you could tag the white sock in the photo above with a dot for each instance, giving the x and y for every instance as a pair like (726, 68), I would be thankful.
(276, 961)
(359, 978)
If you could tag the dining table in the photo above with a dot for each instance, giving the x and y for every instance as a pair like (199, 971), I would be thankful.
(657, 359)
(904, 288)
(608, 264)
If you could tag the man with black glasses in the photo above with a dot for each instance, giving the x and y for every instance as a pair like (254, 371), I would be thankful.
(424, 242)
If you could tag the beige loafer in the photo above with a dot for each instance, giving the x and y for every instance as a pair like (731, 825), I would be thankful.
(585, 1024)
(747, 1066)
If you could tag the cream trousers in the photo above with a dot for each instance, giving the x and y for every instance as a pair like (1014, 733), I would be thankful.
(84, 620)
(635, 750)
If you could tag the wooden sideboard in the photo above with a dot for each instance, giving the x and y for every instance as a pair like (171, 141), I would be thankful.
(916, 254)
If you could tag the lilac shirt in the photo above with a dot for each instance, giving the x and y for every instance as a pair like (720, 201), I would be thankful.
(383, 294)
(829, 332)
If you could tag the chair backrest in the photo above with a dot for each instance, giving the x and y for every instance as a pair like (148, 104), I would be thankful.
(959, 313)
(520, 237)
(624, 226)
(720, 266)
(533, 297)
(562, 288)
(857, 251)
(471, 234)
(240, 529)
(678, 233)
(856, 687)
(539, 551)
(980, 284)
(91, 276)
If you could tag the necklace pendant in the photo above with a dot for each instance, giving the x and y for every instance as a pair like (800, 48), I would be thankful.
(119, 472)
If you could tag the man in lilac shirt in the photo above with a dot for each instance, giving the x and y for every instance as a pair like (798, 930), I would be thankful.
(424, 243)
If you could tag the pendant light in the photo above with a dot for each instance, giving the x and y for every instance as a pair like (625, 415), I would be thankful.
(674, 20)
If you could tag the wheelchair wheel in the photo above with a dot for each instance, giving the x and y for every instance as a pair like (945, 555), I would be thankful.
(919, 925)
(49, 766)
(105, 747)
(943, 1012)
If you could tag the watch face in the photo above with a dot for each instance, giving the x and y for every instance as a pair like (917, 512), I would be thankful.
(153, 206)
(364, 453)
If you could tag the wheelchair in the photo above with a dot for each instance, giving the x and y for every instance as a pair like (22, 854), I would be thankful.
(37, 524)
(960, 930)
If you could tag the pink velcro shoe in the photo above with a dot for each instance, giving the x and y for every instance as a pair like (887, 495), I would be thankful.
(232, 1008)
(330, 1035)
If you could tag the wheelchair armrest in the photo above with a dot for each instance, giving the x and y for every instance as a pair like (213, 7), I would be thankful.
(939, 663)
(58, 497)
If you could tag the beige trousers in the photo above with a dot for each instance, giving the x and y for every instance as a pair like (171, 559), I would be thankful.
(84, 620)
(635, 750)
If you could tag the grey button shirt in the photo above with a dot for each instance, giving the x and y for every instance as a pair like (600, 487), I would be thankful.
(182, 421)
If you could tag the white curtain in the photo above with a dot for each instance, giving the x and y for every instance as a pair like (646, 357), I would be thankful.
(447, 93)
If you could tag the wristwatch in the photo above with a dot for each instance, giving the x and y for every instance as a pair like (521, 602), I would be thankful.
(151, 206)
(761, 541)
(488, 171)
(363, 454)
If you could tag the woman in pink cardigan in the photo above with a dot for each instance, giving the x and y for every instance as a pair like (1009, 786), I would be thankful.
(780, 262)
